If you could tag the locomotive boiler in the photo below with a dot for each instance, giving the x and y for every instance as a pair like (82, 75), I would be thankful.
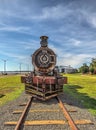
(44, 82)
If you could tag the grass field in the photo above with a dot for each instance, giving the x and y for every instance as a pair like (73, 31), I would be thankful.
(83, 89)
(10, 88)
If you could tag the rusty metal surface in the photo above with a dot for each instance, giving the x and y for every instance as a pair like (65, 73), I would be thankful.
(45, 78)
(23, 79)
(41, 79)
(44, 59)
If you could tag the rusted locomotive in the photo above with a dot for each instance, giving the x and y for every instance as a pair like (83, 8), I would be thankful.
(45, 81)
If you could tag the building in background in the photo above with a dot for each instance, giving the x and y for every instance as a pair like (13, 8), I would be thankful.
(66, 69)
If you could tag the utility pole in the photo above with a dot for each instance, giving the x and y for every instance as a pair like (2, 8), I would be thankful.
(4, 65)
(27, 67)
(20, 67)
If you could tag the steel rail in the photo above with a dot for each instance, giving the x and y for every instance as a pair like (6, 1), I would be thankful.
(23, 115)
(67, 115)
(26, 110)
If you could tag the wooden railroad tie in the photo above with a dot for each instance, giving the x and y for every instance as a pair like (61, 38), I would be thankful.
(49, 122)
(45, 110)
(72, 123)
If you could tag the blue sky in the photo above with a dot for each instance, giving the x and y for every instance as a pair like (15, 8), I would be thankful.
(69, 24)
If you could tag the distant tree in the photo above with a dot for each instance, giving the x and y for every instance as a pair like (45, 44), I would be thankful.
(92, 70)
(92, 66)
(84, 68)
(94, 62)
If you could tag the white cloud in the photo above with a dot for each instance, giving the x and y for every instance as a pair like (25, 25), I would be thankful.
(54, 12)
(75, 42)
(88, 16)
(30, 44)
(92, 19)
(10, 54)
(74, 60)
(71, 58)
(23, 12)
(14, 28)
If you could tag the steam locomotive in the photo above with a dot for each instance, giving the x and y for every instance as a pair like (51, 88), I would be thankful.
(44, 82)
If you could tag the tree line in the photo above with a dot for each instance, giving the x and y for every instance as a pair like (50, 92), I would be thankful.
(89, 69)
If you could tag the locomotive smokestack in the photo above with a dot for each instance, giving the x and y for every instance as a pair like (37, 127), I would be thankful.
(44, 41)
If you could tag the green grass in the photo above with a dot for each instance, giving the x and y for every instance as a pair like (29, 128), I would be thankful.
(83, 89)
(10, 88)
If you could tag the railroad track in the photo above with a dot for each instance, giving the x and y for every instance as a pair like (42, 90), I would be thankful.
(68, 119)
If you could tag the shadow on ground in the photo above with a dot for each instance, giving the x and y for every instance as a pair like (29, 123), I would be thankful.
(72, 96)
(2, 95)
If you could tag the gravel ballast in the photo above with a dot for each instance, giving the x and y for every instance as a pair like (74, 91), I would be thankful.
(81, 113)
